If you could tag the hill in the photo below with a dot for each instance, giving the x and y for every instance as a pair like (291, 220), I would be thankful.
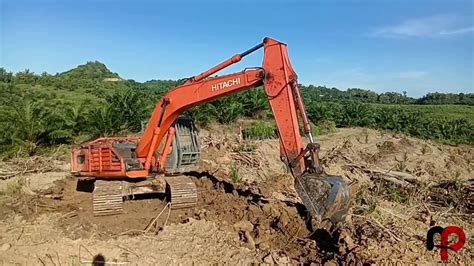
(91, 70)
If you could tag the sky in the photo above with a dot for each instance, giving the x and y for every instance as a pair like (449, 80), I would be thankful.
(416, 46)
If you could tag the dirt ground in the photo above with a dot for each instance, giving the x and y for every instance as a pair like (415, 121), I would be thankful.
(249, 212)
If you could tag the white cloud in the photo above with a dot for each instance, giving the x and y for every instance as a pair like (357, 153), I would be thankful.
(457, 31)
(440, 25)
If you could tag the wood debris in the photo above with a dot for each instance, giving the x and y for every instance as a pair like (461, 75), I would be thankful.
(21, 166)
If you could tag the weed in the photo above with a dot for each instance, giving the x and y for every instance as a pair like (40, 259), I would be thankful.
(458, 182)
(14, 187)
(394, 194)
(247, 148)
(402, 164)
(234, 172)
(365, 135)
(322, 127)
(260, 130)
(366, 202)
(424, 149)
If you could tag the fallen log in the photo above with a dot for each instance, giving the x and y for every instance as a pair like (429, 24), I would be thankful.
(400, 178)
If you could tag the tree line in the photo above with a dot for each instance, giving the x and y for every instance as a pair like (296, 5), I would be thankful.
(42, 110)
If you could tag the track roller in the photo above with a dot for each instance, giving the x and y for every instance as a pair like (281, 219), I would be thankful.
(181, 192)
(107, 198)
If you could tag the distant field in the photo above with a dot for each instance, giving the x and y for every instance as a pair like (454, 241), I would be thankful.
(448, 111)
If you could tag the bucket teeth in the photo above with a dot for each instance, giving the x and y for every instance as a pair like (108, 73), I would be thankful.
(181, 191)
(107, 198)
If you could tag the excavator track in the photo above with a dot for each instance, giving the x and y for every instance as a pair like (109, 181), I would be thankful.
(107, 198)
(181, 192)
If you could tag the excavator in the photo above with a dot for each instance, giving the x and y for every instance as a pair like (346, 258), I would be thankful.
(169, 147)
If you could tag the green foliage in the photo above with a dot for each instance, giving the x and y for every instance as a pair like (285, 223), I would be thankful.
(102, 121)
(323, 127)
(234, 172)
(228, 109)
(13, 187)
(90, 71)
(32, 123)
(5, 76)
(414, 120)
(447, 98)
(394, 194)
(42, 110)
(254, 102)
(366, 203)
(260, 130)
(247, 148)
(203, 114)
(123, 110)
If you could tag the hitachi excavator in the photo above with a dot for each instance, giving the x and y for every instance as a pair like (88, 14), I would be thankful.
(169, 146)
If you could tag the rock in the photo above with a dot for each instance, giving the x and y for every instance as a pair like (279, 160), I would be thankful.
(190, 220)
(250, 242)
(244, 226)
(330, 263)
(201, 214)
(267, 209)
(263, 246)
(284, 219)
(18, 218)
(283, 260)
(235, 193)
(348, 239)
(5, 247)
(268, 259)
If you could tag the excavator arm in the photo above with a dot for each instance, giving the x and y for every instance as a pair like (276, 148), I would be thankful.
(279, 80)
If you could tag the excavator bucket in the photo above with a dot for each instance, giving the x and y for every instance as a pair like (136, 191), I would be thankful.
(325, 197)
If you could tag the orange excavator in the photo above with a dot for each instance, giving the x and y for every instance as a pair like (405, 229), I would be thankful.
(169, 146)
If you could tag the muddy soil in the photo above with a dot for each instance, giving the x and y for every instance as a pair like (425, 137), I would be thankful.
(258, 217)
(261, 225)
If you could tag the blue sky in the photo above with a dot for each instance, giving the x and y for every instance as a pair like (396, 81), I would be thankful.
(383, 45)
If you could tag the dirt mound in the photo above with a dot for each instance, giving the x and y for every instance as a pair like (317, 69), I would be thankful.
(264, 226)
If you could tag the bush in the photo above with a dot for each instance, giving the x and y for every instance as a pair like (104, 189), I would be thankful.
(31, 123)
(228, 109)
(260, 130)
(203, 114)
(123, 110)
(323, 127)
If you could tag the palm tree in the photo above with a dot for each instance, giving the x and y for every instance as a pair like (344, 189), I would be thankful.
(33, 123)
(254, 102)
(102, 121)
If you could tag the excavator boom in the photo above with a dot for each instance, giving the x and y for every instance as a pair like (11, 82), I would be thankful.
(279, 80)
